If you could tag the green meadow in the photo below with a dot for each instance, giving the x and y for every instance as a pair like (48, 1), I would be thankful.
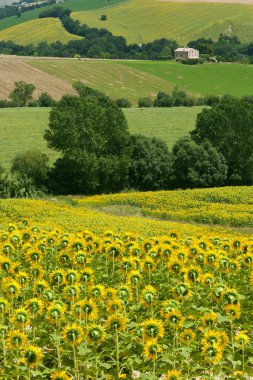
(146, 20)
(219, 79)
(74, 5)
(22, 128)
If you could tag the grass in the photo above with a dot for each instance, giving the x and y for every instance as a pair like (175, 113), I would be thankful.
(35, 31)
(115, 80)
(74, 5)
(145, 20)
(22, 128)
(218, 79)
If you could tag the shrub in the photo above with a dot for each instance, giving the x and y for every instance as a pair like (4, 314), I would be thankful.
(123, 103)
(45, 100)
(103, 18)
(145, 102)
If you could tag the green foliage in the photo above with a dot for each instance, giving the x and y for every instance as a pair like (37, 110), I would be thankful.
(87, 124)
(229, 127)
(198, 165)
(145, 102)
(22, 93)
(123, 103)
(32, 164)
(151, 166)
(45, 100)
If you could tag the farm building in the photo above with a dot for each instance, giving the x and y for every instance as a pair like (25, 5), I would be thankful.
(186, 53)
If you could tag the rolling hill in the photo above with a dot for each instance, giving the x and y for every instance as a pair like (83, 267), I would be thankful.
(146, 20)
(35, 31)
(22, 128)
(74, 5)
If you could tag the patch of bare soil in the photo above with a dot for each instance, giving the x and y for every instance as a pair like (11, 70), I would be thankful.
(13, 70)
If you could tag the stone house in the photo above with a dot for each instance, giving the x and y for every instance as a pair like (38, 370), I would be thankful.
(186, 53)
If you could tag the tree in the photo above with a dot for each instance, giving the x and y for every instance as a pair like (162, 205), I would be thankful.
(145, 102)
(151, 166)
(45, 100)
(92, 124)
(34, 165)
(22, 93)
(92, 134)
(198, 165)
(229, 127)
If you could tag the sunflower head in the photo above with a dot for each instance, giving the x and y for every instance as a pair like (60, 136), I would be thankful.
(242, 339)
(95, 333)
(212, 353)
(32, 356)
(153, 328)
(174, 374)
(187, 336)
(148, 295)
(60, 375)
(116, 322)
(16, 339)
(73, 334)
(152, 349)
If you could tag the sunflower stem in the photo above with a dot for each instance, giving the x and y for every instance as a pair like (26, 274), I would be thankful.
(117, 353)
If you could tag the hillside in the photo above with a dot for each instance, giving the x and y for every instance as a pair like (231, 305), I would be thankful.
(22, 128)
(145, 20)
(74, 5)
(35, 31)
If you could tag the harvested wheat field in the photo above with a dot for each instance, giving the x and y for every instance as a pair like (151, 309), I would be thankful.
(13, 70)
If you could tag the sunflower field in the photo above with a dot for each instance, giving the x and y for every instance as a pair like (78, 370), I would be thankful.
(120, 306)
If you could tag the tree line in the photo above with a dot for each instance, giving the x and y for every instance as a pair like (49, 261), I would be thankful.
(17, 10)
(100, 43)
(97, 153)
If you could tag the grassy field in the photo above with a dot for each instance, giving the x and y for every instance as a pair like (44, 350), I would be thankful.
(145, 20)
(218, 79)
(22, 128)
(34, 31)
(115, 80)
(74, 5)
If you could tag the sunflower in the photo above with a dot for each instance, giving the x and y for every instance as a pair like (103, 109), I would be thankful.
(73, 334)
(182, 290)
(16, 339)
(230, 296)
(95, 333)
(134, 277)
(35, 306)
(209, 320)
(187, 336)
(175, 265)
(36, 271)
(168, 306)
(212, 353)
(207, 279)
(32, 356)
(11, 287)
(152, 349)
(148, 295)
(127, 264)
(71, 276)
(116, 322)
(233, 311)
(85, 309)
(242, 339)
(86, 276)
(40, 285)
(55, 313)
(98, 292)
(114, 306)
(33, 256)
(153, 328)
(22, 278)
(175, 319)
(64, 258)
(193, 273)
(60, 375)
(20, 317)
(124, 293)
(211, 337)
(111, 293)
(174, 374)
(223, 339)
(71, 292)
(81, 258)
(57, 277)
(4, 306)
(6, 265)
(148, 264)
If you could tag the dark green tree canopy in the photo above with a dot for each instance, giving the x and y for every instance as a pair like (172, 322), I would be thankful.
(151, 167)
(198, 165)
(229, 128)
(92, 124)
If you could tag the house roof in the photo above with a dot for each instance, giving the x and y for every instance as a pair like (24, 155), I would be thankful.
(186, 49)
